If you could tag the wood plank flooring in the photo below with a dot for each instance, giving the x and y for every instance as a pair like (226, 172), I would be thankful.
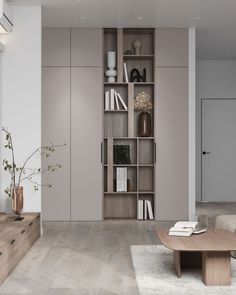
(88, 258)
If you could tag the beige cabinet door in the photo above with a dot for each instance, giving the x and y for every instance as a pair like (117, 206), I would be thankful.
(171, 131)
(86, 138)
(86, 47)
(56, 130)
(172, 47)
(56, 47)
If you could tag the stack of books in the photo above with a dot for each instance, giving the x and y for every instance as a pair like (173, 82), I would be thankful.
(121, 179)
(145, 209)
(183, 228)
(113, 100)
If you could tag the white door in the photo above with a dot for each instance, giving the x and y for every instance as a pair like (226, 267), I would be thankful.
(219, 150)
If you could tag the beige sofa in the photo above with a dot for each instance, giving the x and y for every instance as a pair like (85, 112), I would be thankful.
(227, 222)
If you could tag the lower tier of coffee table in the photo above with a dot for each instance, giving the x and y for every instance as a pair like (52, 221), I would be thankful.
(216, 267)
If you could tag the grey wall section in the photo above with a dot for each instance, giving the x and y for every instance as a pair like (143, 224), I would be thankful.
(214, 79)
(172, 124)
(72, 113)
(172, 48)
(56, 129)
(56, 47)
(86, 138)
(86, 47)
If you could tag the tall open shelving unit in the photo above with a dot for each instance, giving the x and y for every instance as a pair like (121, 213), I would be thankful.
(121, 126)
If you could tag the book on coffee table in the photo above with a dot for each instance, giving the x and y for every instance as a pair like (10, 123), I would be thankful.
(183, 228)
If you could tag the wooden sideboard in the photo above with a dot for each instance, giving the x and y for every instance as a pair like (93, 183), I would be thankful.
(16, 238)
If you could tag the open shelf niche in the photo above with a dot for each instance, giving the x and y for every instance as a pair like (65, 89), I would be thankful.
(121, 125)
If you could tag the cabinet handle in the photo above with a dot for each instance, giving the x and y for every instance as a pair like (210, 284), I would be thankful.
(155, 152)
(30, 223)
(101, 152)
(23, 231)
(0, 253)
(12, 241)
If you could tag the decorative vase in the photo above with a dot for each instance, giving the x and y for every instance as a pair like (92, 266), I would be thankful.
(111, 63)
(18, 201)
(137, 47)
(144, 124)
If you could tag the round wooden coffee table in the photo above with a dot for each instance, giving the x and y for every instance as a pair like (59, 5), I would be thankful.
(209, 251)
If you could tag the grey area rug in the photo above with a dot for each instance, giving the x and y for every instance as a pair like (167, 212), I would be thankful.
(155, 275)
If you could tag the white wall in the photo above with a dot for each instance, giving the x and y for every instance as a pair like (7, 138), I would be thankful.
(214, 79)
(191, 122)
(20, 96)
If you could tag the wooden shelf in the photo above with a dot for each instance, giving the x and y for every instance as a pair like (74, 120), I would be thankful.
(126, 84)
(115, 111)
(121, 126)
(143, 83)
(128, 138)
(138, 57)
(121, 193)
(116, 83)
(122, 165)
(130, 193)
(129, 165)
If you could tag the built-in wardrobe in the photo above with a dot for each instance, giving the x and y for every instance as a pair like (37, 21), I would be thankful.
(73, 88)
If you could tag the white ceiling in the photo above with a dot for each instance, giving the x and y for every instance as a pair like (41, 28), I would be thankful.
(215, 20)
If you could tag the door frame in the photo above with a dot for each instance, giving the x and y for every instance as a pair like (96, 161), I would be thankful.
(205, 99)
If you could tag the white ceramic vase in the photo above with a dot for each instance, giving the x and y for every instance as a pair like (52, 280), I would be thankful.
(111, 63)
(137, 47)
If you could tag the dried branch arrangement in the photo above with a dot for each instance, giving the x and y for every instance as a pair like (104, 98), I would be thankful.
(143, 102)
(19, 174)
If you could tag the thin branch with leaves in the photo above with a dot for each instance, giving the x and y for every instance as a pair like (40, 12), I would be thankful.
(23, 173)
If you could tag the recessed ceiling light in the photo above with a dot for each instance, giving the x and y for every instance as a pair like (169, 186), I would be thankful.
(82, 17)
(140, 17)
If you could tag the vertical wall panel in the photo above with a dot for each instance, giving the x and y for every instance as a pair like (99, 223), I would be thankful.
(56, 130)
(172, 143)
(56, 47)
(171, 130)
(72, 104)
(172, 48)
(86, 138)
(86, 47)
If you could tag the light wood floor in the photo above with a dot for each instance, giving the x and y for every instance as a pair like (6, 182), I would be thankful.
(88, 258)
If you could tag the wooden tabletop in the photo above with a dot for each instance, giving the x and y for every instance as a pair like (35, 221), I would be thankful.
(212, 240)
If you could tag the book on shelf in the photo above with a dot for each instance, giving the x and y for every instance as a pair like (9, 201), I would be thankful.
(112, 99)
(116, 100)
(121, 179)
(140, 209)
(183, 228)
(107, 100)
(122, 101)
(126, 73)
(145, 210)
(149, 209)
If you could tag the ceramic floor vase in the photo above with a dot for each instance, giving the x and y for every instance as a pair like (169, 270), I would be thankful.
(144, 124)
(18, 200)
